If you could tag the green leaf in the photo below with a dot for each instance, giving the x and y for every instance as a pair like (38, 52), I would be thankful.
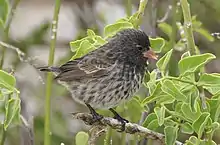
(100, 41)
(135, 108)
(150, 82)
(91, 33)
(155, 94)
(149, 119)
(157, 44)
(74, 45)
(82, 138)
(205, 33)
(7, 80)
(186, 128)
(192, 140)
(214, 109)
(215, 126)
(170, 135)
(178, 106)
(160, 113)
(186, 54)
(4, 5)
(122, 20)
(170, 88)
(84, 48)
(209, 80)
(200, 123)
(153, 125)
(166, 28)
(112, 29)
(159, 96)
(188, 113)
(163, 62)
(12, 108)
(165, 99)
(169, 122)
(206, 142)
(193, 63)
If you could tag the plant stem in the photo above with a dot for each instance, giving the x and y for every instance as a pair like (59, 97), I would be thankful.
(140, 12)
(123, 138)
(6, 29)
(172, 63)
(108, 137)
(49, 76)
(188, 27)
(128, 5)
(174, 27)
(3, 135)
(191, 44)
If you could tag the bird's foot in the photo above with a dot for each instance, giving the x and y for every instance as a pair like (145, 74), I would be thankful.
(120, 119)
(96, 117)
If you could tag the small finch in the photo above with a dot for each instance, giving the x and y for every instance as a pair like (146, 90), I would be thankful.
(109, 75)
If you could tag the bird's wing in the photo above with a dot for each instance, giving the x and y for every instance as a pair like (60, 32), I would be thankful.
(85, 68)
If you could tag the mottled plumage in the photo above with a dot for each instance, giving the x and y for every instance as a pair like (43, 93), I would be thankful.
(110, 74)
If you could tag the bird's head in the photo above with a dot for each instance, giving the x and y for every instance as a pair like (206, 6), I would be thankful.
(134, 46)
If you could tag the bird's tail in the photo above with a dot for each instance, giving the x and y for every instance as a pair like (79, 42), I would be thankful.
(49, 69)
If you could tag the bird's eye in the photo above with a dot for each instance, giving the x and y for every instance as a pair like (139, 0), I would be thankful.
(139, 47)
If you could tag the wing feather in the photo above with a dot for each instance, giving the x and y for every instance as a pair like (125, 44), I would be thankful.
(82, 69)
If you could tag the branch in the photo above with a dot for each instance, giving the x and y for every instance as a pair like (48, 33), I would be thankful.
(130, 128)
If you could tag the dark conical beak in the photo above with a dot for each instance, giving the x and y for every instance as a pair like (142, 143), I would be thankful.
(150, 54)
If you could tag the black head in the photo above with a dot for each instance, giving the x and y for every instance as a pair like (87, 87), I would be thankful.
(137, 37)
(133, 46)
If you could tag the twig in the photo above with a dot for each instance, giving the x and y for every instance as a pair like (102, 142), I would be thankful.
(130, 128)
(165, 17)
(28, 126)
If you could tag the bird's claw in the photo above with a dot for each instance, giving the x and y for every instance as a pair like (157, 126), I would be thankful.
(96, 117)
(120, 119)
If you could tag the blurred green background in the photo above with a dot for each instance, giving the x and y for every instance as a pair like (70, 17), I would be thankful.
(30, 31)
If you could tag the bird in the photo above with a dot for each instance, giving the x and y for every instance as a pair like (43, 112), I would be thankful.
(108, 75)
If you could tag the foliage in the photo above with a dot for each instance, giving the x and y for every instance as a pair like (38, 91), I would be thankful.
(177, 104)
(10, 95)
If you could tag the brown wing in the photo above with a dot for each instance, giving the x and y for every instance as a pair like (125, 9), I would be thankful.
(84, 69)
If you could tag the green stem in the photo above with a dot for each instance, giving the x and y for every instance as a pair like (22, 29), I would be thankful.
(6, 29)
(3, 135)
(49, 76)
(191, 44)
(188, 27)
(123, 139)
(128, 5)
(134, 139)
(108, 137)
(140, 14)
(174, 27)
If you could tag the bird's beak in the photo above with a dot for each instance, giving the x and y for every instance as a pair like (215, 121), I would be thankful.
(150, 54)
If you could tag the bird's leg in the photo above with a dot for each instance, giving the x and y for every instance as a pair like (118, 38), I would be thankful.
(119, 118)
(95, 115)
